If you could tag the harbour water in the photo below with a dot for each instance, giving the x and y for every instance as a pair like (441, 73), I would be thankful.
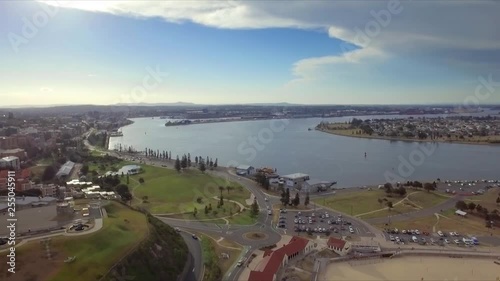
(291, 147)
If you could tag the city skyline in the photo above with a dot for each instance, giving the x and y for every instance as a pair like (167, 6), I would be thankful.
(216, 52)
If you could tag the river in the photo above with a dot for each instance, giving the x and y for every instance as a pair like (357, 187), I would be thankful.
(290, 147)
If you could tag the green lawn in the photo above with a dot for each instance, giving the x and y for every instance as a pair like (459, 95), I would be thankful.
(358, 202)
(95, 253)
(398, 209)
(242, 219)
(426, 199)
(171, 192)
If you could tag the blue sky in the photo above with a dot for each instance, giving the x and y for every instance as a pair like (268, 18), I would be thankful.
(243, 52)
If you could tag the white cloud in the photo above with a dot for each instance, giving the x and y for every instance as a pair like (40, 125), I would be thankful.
(371, 30)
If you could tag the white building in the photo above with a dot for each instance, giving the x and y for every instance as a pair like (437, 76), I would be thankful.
(245, 170)
(295, 180)
(10, 162)
(339, 246)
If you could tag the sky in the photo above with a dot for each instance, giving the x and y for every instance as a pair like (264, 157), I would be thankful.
(233, 52)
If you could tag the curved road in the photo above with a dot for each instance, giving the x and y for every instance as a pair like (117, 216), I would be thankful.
(195, 251)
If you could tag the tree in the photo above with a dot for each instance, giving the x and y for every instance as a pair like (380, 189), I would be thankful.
(124, 192)
(471, 206)
(401, 191)
(49, 173)
(429, 186)
(84, 169)
(287, 196)
(388, 187)
(221, 200)
(380, 201)
(283, 198)
(221, 188)
(254, 211)
(389, 205)
(206, 210)
(203, 168)
(228, 188)
(461, 205)
(479, 208)
(141, 180)
(306, 201)
(196, 159)
(195, 211)
(127, 179)
(296, 200)
(184, 162)
(215, 163)
(178, 164)
(266, 184)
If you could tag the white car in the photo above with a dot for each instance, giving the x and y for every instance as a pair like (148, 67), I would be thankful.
(446, 241)
(391, 238)
(440, 233)
(269, 212)
(265, 199)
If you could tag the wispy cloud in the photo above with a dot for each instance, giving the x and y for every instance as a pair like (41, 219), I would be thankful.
(419, 28)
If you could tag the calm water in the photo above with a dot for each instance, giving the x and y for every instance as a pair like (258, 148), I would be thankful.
(290, 147)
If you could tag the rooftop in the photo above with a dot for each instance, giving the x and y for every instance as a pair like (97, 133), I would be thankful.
(65, 170)
(275, 259)
(10, 158)
(296, 176)
(336, 243)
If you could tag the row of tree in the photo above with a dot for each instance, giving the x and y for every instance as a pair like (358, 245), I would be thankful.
(185, 162)
(480, 211)
(166, 155)
(287, 201)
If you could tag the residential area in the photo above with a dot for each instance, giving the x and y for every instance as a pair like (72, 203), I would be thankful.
(485, 129)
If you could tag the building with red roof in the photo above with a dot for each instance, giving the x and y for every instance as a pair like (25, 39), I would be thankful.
(339, 246)
(22, 179)
(273, 260)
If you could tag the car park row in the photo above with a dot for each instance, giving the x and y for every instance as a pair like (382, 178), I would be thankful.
(425, 238)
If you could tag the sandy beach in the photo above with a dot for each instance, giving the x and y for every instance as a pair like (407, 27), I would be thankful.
(415, 269)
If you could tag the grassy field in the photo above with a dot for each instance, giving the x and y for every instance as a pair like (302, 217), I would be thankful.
(398, 209)
(171, 192)
(95, 253)
(427, 199)
(470, 225)
(227, 247)
(356, 202)
(365, 203)
(213, 272)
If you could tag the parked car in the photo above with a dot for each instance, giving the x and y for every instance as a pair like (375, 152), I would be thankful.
(194, 237)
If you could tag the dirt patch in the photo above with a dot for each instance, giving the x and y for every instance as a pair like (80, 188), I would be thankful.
(255, 236)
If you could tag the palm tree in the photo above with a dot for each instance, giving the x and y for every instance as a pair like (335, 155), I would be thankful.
(221, 188)
(228, 188)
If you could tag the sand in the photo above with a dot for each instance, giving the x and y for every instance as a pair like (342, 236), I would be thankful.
(414, 268)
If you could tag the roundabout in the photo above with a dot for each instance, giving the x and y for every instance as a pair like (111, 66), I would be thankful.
(255, 236)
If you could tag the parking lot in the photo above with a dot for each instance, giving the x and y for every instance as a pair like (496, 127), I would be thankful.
(472, 187)
(414, 236)
(319, 222)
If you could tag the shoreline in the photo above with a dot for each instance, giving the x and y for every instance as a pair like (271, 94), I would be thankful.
(406, 140)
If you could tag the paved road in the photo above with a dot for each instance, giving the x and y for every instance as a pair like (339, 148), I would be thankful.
(195, 251)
